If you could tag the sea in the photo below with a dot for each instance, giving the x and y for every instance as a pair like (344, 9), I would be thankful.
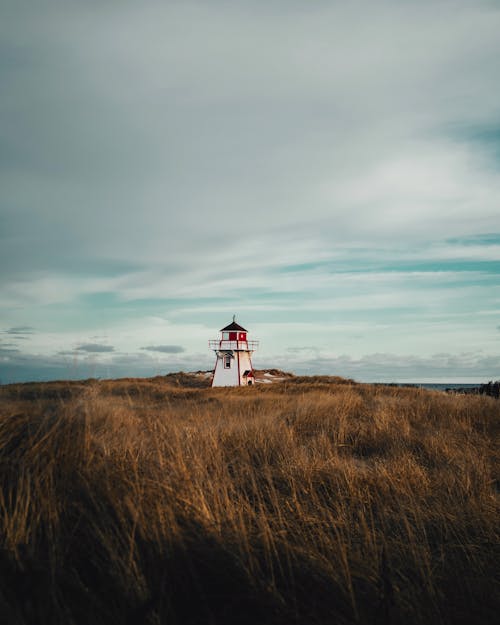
(439, 386)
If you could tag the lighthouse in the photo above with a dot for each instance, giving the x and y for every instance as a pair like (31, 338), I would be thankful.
(233, 365)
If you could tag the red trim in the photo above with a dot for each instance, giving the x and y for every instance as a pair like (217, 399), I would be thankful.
(215, 370)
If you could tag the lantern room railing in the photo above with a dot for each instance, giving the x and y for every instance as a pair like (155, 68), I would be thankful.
(246, 346)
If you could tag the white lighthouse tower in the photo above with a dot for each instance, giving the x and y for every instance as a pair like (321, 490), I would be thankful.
(233, 366)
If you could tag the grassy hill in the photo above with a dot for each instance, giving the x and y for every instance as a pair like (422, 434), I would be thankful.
(305, 501)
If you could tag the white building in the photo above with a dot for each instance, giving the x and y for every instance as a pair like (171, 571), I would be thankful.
(233, 365)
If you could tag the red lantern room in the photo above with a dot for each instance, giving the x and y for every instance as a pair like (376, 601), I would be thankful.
(234, 332)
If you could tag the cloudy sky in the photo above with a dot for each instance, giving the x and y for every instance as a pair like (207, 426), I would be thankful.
(327, 171)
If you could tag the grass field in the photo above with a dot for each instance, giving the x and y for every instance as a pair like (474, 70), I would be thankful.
(311, 500)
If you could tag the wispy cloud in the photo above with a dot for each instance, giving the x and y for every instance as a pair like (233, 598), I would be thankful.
(165, 349)
(487, 239)
(20, 331)
(95, 348)
(6, 350)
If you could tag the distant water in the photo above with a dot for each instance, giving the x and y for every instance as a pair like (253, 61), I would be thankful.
(439, 386)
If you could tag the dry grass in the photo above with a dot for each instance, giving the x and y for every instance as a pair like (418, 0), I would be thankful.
(306, 501)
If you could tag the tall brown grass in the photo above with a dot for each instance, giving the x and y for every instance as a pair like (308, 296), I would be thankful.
(306, 501)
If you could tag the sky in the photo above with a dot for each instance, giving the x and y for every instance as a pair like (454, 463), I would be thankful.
(328, 172)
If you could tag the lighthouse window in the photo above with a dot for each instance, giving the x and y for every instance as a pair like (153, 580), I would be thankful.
(227, 362)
